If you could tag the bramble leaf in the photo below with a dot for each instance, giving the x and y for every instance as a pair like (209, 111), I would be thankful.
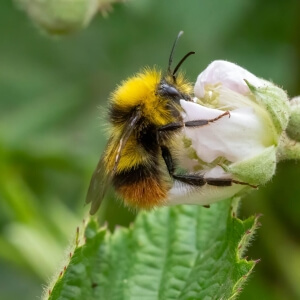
(182, 252)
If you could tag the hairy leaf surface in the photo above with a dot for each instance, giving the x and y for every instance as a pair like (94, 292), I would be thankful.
(182, 252)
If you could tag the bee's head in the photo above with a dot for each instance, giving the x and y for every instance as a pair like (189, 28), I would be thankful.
(174, 91)
(154, 95)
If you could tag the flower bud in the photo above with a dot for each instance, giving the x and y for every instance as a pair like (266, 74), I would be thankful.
(287, 148)
(293, 129)
(247, 116)
(60, 17)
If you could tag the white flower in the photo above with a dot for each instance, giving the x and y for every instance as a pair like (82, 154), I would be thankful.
(229, 75)
(240, 145)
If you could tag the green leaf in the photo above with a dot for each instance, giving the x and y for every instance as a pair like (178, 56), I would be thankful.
(183, 252)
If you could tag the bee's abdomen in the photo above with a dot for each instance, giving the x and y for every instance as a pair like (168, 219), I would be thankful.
(142, 186)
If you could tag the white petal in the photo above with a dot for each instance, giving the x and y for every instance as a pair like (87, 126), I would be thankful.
(236, 138)
(184, 194)
(228, 74)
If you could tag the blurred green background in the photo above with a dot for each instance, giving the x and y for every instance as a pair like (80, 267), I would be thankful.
(53, 93)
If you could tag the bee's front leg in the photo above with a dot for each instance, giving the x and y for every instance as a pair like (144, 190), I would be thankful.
(196, 123)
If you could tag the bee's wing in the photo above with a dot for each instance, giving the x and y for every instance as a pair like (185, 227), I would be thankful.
(101, 178)
(98, 186)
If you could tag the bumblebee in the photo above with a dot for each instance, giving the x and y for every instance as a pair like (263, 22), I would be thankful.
(140, 157)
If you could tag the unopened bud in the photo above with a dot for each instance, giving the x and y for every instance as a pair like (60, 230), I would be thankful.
(293, 129)
(61, 17)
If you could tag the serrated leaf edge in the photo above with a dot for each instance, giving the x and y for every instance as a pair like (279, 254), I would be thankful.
(78, 241)
(241, 249)
(244, 243)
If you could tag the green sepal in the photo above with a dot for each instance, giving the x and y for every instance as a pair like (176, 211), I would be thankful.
(256, 170)
(275, 101)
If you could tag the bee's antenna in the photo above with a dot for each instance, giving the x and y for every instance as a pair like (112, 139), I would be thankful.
(181, 61)
(172, 52)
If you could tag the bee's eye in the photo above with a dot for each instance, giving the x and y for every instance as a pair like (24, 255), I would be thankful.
(170, 91)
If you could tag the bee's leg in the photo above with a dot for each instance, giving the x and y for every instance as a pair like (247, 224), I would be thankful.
(196, 123)
(166, 154)
(200, 180)
(196, 179)
(199, 123)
